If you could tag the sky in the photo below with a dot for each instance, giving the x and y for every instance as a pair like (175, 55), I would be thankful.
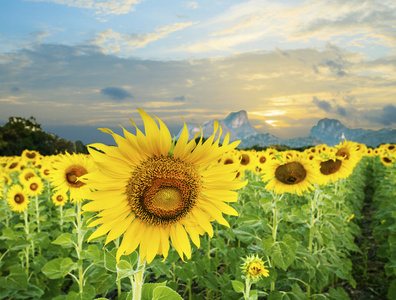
(79, 65)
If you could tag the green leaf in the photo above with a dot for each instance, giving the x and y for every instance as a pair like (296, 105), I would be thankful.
(124, 269)
(7, 234)
(275, 295)
(148, 289)
(92, 253)
(284, 252)
(69, 215)
(17, 278)
(165, 293)
(88, 293)
(64, 240)
(238, 286)
(267, 243)
(253, 295)
(52, 269)
(338, 294)
(110, 260)
(392, 290)
(67, 265)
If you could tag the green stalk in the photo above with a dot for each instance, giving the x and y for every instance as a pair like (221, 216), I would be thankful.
(275, 224)
(61, 217)
(37, 214)
(137, 280)
(27, 247)
(247, 288)
(79, 246)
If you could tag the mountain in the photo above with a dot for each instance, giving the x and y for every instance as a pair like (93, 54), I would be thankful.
(236, 123)
(327, 131)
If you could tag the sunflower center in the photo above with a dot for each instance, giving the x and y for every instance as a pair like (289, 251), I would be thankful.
(59, 198)
(343, 153)
(163, 190)
(33, 186)
(31, 155)
(28, 176)
(330, 166)
(245, 159)
(391, 147)
(291, 173)
(19, 198)
(13, 165)
(386, 159)
(262, 159)
(228, 161)
(72, 173)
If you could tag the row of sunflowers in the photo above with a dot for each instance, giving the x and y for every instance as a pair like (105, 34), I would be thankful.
(283, 219)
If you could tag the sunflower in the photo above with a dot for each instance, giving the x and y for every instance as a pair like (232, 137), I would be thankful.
(13, 164)
(26, 174)
(247, 160)
(261, 160)
(17, 198)
(158, 191)
(349, 152)
(34, 186)
(253, 267)
(30, 155)
(66, 170)
(387, 159)
(290, 175)
(59, 199)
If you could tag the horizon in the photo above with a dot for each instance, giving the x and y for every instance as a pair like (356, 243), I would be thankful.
(288, 63)
(91, 134)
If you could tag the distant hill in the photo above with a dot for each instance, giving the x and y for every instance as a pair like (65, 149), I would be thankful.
(19, 134)
(327, 131)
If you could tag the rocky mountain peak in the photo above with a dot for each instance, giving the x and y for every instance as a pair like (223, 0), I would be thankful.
(237, 119)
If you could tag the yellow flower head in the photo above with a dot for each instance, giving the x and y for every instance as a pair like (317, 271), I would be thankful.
(34, 186)
(150, 191)
(67, 169)
(253, 267)
(290, 174)
(59, 198)
(17, 198)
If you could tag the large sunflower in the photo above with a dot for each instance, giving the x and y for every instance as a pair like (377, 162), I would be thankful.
(66, 170)
(17, 198)
(149, 191)
(292, 174)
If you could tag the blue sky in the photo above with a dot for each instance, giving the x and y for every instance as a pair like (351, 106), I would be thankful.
(76, 65)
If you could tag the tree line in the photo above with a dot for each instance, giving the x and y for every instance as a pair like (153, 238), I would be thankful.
(20, 133)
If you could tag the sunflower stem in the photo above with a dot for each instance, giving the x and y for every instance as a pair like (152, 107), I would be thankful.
(61, 217)
(275, 224)
(27, 247)
(247, 288)
(137, 280)
(117, 244)
(79, 246)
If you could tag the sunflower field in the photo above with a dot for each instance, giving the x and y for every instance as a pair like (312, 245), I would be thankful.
(152, 218)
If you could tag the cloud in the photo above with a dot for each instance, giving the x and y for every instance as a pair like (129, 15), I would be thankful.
(265, 22)
(40, 34)
(341, 111)
(116, 93)
(113, 41)
(192, 4)
(322, 104)
(181, 98)
(135, 41)
(61, 84)
(15, 89)
(386, 116)
(100, 7)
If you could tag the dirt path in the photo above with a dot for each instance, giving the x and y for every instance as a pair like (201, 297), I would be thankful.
(368, 269)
